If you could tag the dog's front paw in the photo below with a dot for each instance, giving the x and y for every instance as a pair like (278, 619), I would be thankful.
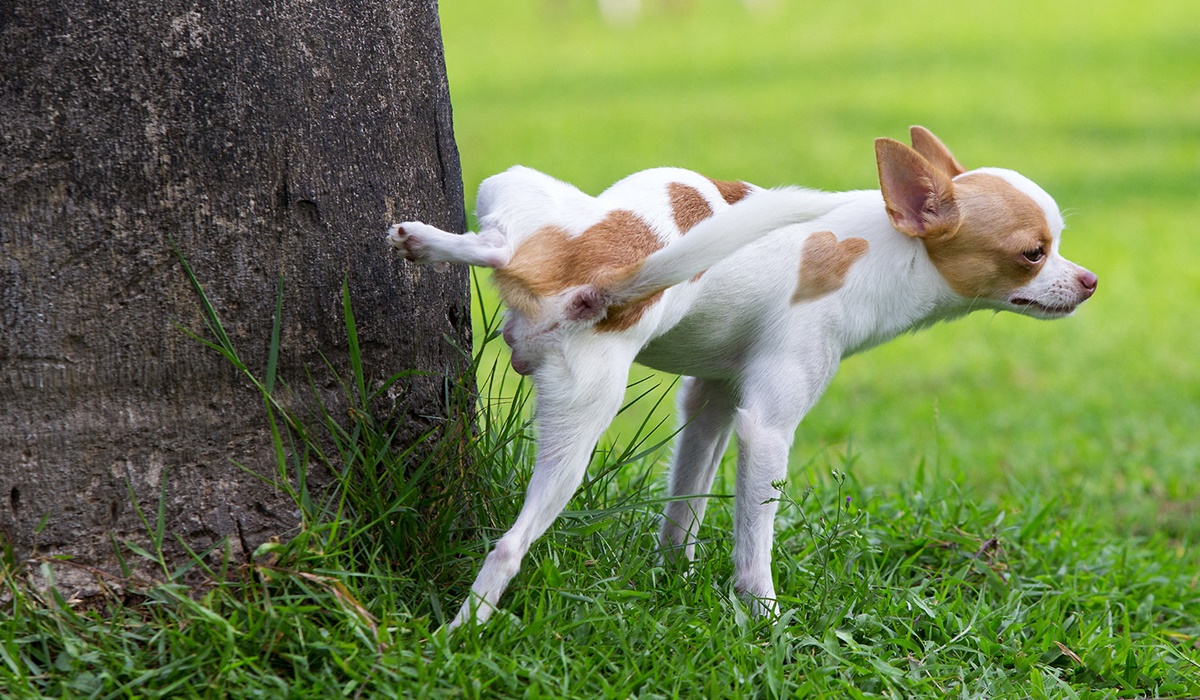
(759, 599)
(761, 607)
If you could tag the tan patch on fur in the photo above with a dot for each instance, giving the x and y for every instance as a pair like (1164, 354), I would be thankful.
(731, 191)
(621, 317)
(983, 257)
(551, 261)
(688, 206)
(824, 263)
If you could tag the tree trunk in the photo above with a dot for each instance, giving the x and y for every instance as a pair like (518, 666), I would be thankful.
(263, 139)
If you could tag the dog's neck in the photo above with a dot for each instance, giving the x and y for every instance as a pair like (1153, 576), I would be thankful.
(895, 288)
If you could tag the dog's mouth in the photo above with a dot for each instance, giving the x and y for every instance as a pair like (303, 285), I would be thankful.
(1037, 308)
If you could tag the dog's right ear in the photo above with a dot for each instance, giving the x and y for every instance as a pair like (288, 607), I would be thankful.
(919, 195)
(930, 146)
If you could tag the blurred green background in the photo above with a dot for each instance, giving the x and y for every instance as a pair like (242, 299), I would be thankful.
(1099, 102)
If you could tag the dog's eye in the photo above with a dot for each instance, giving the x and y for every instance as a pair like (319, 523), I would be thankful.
(1035, 255)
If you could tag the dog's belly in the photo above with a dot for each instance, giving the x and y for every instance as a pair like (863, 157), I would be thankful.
(700, 347)
(730, 314)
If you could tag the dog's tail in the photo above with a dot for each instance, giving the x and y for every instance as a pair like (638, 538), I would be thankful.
(718, 237)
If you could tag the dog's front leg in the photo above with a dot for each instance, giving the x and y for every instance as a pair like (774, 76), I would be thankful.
(706, 408)
(576, 401)
(774, 399)
(762, 462)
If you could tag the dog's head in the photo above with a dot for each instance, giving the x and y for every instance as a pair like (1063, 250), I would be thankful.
(992, 234)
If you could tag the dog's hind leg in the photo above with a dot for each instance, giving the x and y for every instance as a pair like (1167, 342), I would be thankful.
(575, 403)
(706, 408)
(424, 243)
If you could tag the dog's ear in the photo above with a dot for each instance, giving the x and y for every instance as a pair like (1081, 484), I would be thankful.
(919, 196)
(934, 151)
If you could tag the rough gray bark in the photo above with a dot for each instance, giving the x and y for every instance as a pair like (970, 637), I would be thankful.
(263, 138)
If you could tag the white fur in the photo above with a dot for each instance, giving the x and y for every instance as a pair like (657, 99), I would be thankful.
(756, 362)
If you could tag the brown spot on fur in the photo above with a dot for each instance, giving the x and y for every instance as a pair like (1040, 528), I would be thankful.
(551, 261)
(982, 258)
(824, 263)
(688, 206)
(731, 191)
(627, 315)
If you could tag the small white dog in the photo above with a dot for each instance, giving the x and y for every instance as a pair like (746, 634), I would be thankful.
(756, 295)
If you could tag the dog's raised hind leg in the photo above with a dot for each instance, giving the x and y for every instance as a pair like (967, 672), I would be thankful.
(421, 242)
(575, 403)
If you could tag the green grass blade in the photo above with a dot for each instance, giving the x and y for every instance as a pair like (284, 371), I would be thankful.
(273, 352)
(355, 354)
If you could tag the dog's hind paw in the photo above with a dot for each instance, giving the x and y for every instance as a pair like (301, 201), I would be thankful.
(410, 239)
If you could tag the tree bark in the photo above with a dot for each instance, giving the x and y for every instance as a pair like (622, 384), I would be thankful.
(263, 139)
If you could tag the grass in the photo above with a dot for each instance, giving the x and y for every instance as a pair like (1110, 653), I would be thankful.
(1097, 102)
(993, 508)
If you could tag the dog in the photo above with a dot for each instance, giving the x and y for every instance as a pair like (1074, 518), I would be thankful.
(755, 295)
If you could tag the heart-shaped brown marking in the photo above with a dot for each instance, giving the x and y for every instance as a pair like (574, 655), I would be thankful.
(824, 262)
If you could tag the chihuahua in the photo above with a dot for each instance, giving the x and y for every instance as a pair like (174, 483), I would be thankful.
(754, 294)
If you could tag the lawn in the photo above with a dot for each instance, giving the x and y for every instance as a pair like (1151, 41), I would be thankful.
(997, 507)
(1099, 103)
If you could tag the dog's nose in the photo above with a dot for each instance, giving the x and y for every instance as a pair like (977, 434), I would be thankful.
(1087, 280)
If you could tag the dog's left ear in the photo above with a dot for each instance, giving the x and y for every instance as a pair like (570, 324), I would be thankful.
(934, 151)
(919, 195)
